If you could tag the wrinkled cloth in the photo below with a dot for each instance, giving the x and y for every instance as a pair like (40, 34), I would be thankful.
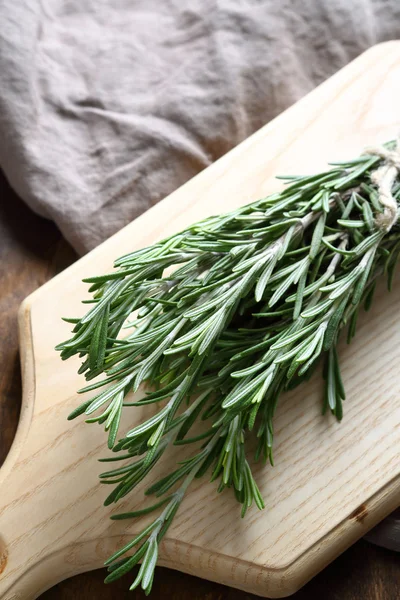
(107, 106)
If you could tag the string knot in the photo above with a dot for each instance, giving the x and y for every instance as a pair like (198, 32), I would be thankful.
(384, 178)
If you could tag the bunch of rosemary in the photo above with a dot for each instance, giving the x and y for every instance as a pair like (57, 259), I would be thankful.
(221, 319)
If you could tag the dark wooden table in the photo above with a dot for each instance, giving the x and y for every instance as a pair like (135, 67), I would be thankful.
(32, 250)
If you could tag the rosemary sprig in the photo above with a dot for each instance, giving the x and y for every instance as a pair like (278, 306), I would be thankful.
(222, 318)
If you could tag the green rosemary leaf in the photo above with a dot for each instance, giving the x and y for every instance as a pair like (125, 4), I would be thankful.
(294, 277)
(337, 248)
(361, 283)
(80, 410)
(325, 202)
(352, 326)
(368, 216)
(150, 424)
(217, 322)
(350, 224)
(107, 395)
(166, 483)
(131, 544)
(334, 323)
(147, 566)
(140, 513)
(300, 294)
(317, 309)
(293, 336)
(126, 565)
(392, 262)
(355, 174)
(317, 236)
(70, 320)
(314, 345)
(369, 296)
(265, 276)
(368, 243)
(338, 376)
(192, 414)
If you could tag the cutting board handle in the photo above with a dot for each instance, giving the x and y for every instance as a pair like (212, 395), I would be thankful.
(52, 521)
(35, 552)
(21, 563)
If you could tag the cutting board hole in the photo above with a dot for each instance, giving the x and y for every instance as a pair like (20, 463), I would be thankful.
(360, 513)
(11, 400)
(3, 556)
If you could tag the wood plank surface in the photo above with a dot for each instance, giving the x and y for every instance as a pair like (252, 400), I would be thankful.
(342, 479)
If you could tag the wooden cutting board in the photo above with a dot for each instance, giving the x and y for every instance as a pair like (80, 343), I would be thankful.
(331, 483)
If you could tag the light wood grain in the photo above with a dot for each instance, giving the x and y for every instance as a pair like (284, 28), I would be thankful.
(332, 482)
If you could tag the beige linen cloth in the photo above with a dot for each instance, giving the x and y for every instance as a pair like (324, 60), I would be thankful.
(107, 106)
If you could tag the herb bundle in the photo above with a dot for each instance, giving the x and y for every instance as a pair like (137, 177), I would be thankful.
(219, 320)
